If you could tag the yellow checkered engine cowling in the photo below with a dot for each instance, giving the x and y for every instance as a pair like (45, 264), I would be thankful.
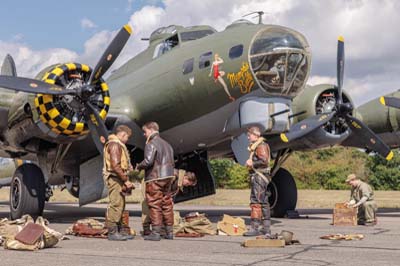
(62, 115)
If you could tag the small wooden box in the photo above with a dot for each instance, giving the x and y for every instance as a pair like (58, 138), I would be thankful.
(264, 243)
(343, 215)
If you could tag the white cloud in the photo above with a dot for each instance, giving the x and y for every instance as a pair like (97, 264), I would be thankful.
(87, 24)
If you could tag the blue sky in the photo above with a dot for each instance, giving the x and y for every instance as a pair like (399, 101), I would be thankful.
(46, 24)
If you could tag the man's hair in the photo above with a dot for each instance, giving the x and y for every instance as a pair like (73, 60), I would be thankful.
(151, 125)
(254, 130)
(191, 177)
(124, 128)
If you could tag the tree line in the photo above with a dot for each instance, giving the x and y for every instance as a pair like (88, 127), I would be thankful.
(320, 169)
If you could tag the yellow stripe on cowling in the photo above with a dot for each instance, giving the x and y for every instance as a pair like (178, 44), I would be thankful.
(79, 127)
(68, 132)
(65, 123)
(390, 156)
(382, 100)
(106, 100)
(46, 76)
(43, 119)
(52, 123)
(103, 114)
(284, 138)
(85, 68)
(55, 130)
(36, 102)
(57, 71)
(47, 98)
(71, 66)
(42, 109)
(53, 113)
(50, 81)
(341, 39)
(104, 86)
(128, 28)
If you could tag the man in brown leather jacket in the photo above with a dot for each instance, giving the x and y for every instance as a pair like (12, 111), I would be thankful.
(116, 166)
(258, 164)
(158, 164)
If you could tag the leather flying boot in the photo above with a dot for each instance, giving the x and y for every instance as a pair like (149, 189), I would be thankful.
(124, 233)
(155, 234)
(169, 232)
(114, 235)
(266, 227)
(146, 229)
(253, 231)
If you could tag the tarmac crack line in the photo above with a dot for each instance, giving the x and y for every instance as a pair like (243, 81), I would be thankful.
(126, 257)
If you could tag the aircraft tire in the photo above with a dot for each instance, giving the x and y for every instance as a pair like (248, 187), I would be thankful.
(283, 193)
(27, 192)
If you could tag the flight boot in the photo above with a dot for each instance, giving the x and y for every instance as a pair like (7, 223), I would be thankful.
(114, 235)
(124, 232)
(169, 232)
(155, 234)
(146, 229)
(253, 230)
(266, 228)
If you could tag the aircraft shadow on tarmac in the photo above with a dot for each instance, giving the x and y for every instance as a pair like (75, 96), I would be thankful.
(68, 213)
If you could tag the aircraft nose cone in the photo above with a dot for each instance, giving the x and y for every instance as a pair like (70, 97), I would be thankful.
(280, 60)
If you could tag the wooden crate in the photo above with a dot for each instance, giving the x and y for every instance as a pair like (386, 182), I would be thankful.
(264, 243)
(344, 216)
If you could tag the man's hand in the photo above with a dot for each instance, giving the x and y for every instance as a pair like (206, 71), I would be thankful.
(129, 185)
(249, 163)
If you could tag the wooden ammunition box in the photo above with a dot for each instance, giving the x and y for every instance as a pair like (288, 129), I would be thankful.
(264, 243)
(344, 216)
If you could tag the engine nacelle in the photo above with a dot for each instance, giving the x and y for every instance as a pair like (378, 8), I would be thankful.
(316, 100)
(62, 116)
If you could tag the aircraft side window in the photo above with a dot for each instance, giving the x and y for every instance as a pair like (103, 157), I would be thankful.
(205, 60)
(166, 46)
(188, 66)
(236, 51)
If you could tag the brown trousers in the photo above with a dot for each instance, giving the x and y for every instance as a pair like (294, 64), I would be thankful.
(159, 200)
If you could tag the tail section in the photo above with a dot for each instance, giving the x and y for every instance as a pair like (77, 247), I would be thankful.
(8, 67)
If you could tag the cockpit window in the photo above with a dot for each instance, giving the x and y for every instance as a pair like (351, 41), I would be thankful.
(165, 46)
(280, 61)
(194, 35)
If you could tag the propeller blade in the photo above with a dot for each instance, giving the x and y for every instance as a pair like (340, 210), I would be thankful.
(390, 101)
(111, 53)
(306, 126)
(340, 67)
(368, 138)
(32, 86)
(96, 126)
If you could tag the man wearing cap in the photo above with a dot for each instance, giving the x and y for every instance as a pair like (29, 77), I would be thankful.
(362, 197)
(258, 164)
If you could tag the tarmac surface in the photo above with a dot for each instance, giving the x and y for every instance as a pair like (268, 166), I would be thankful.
(381, 245)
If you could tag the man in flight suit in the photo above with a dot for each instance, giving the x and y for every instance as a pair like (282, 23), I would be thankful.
(116, 166)
(158, 164)
(258, 164)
